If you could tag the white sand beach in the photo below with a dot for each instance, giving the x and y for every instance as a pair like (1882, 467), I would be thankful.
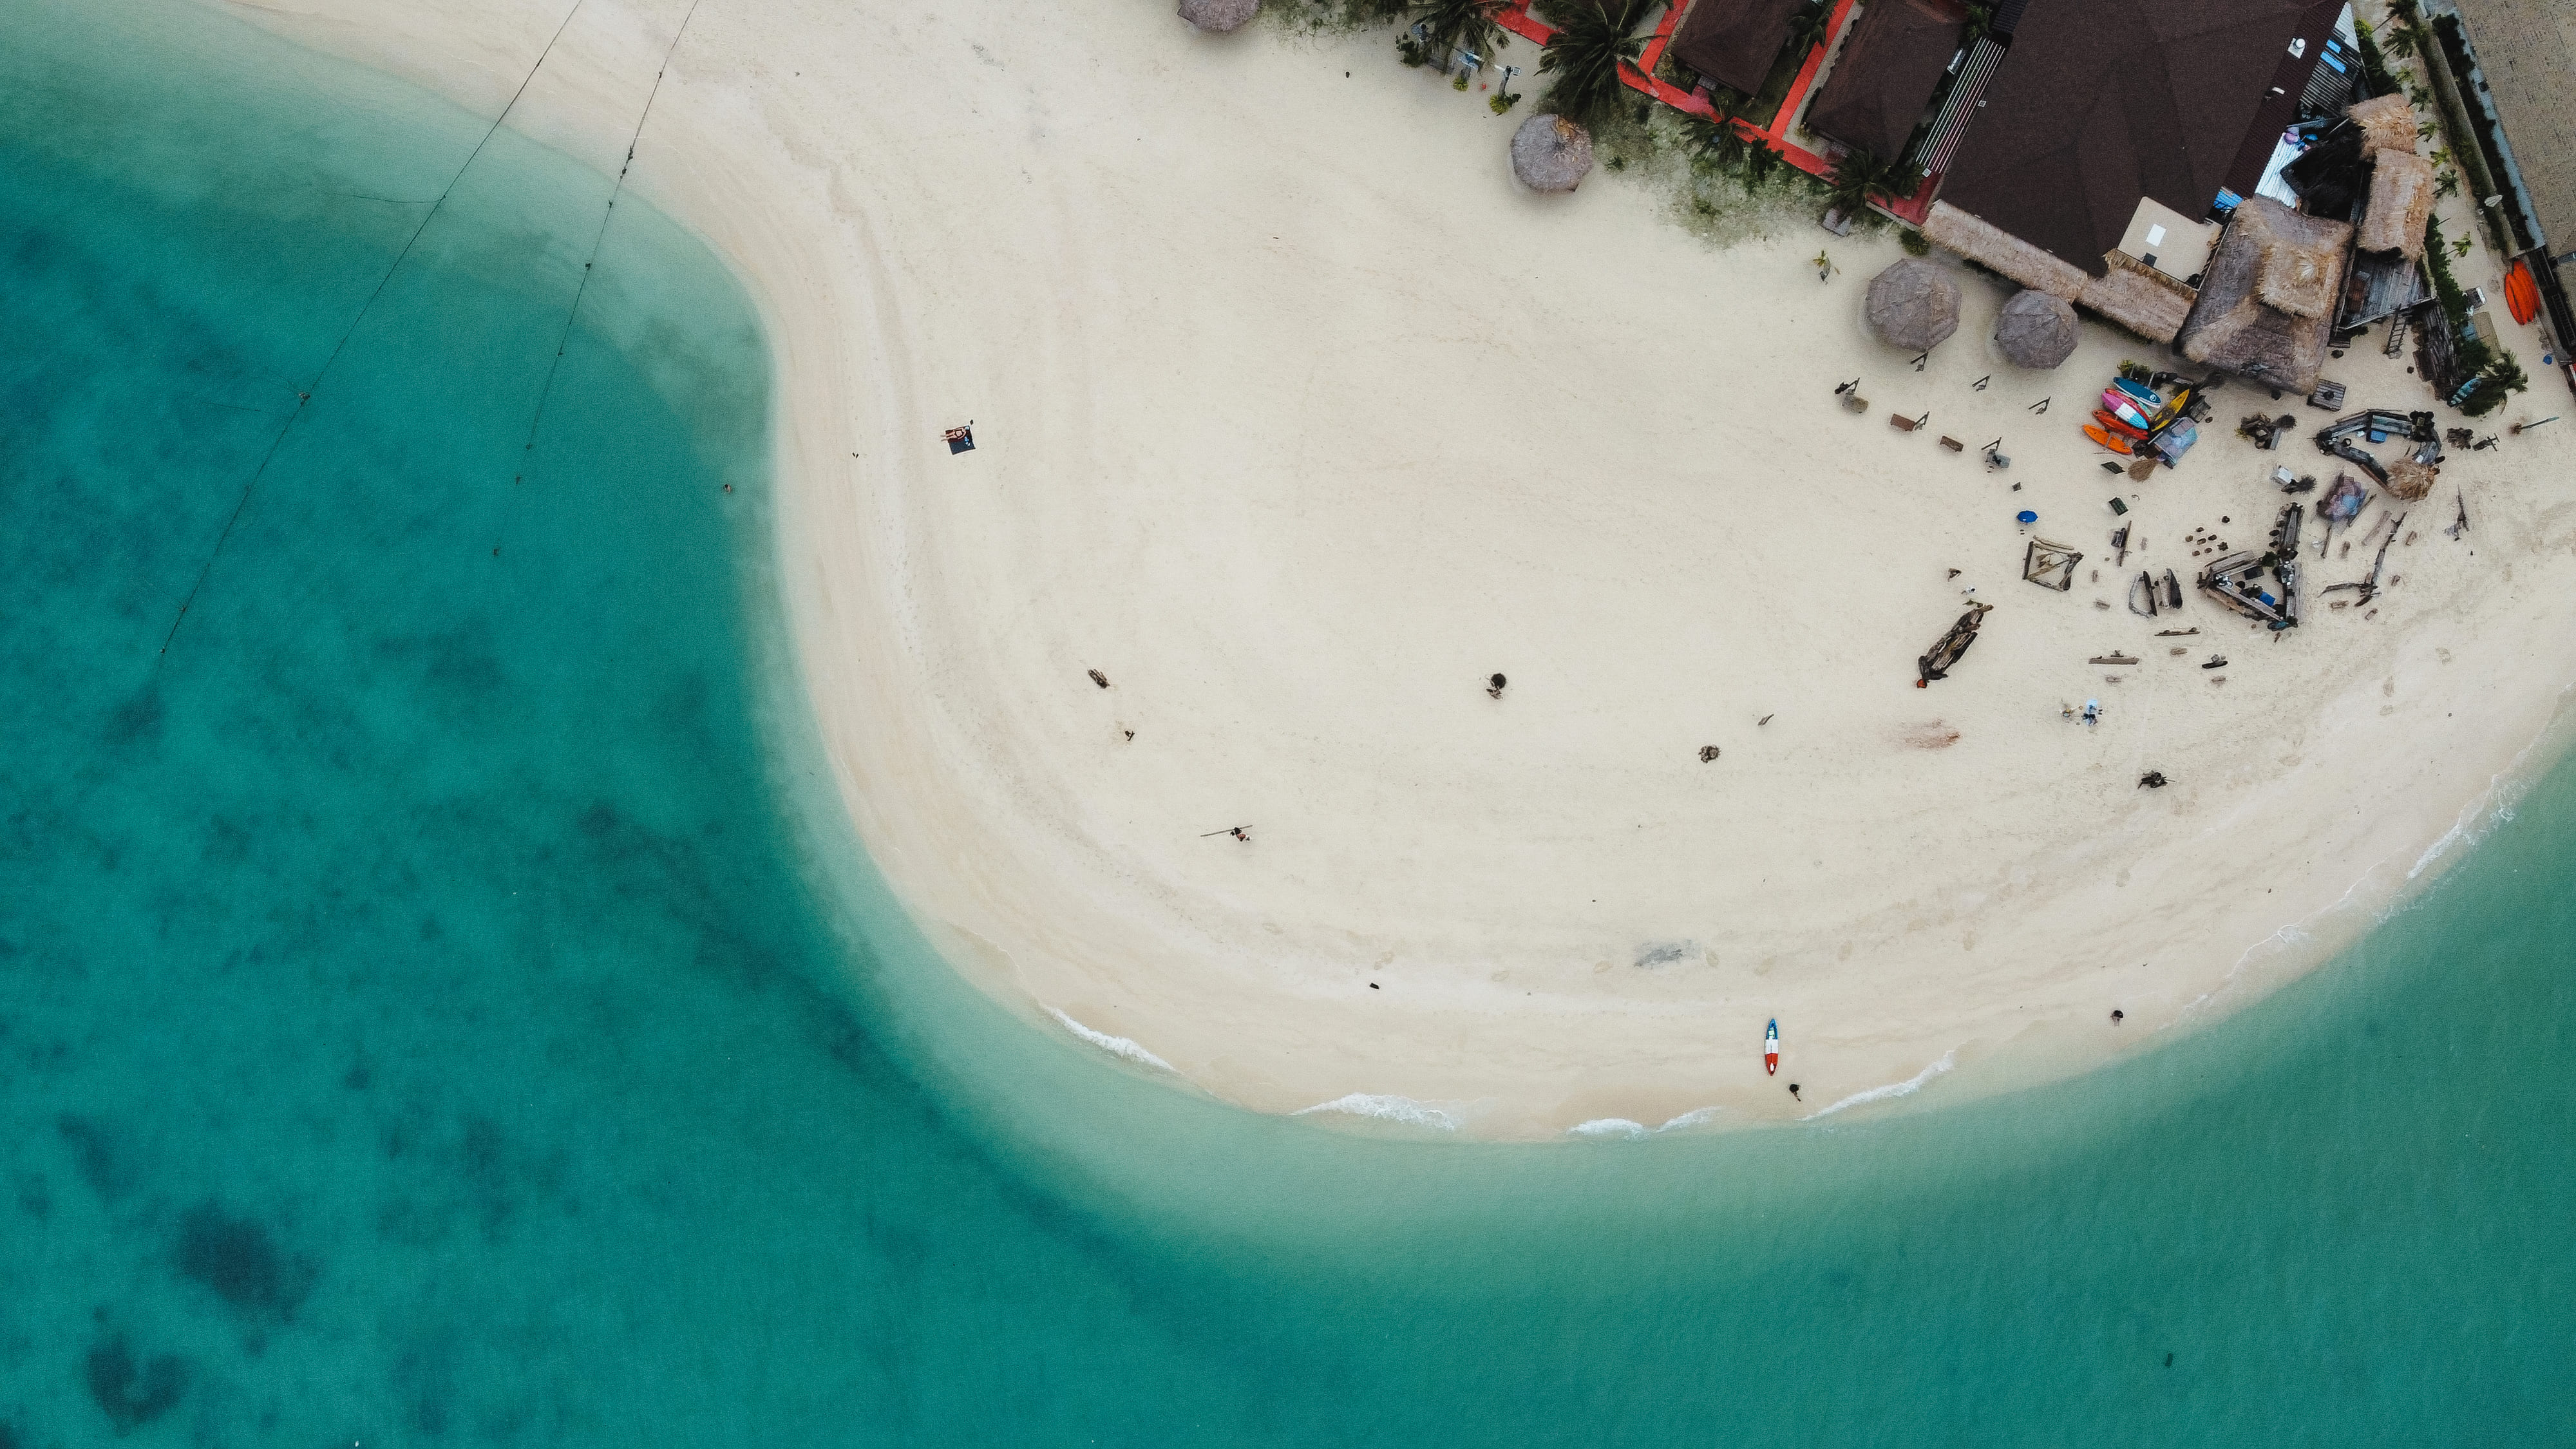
(1297, 419)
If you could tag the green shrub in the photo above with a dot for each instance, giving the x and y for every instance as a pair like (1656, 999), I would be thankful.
(1913, 242)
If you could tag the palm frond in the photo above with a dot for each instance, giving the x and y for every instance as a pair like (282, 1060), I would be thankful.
(1593, 38)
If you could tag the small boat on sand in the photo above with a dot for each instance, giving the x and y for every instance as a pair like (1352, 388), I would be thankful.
(1771, 1048)
(2110, 440)
(2147, 398)
(2127, 430)
(2521, 293)
(2129, 410)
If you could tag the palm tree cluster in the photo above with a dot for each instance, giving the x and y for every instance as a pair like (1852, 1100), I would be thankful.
(1861, 178)
(1593, 39)
(2403, 35)
(1474, 25)
(1812, 25)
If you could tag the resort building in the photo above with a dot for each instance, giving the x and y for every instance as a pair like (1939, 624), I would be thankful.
(2108, 138)
(1890, 67)
(1734, 42)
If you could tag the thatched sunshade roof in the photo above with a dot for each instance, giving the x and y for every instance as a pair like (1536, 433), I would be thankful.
(1914, 304)
(2267, 300)
(2000, 251)
(2145, 304)
(2036, 330)
(2387, 123)
(1219, 15)
(1551, 153)
(2401, 201)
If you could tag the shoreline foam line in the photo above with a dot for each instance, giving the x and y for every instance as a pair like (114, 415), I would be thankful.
(1116, 1046)
(1387, 1108)
(1906, 1088)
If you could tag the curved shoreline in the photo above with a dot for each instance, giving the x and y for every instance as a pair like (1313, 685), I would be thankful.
(1425, 426)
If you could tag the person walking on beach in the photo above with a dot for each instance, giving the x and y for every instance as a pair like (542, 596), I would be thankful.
(1496, 687)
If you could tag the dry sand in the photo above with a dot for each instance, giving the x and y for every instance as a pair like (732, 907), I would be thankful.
(1297, 419)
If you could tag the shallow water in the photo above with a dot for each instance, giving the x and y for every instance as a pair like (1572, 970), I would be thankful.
(440, 1002)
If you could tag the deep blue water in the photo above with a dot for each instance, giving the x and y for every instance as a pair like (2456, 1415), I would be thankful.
(440, 1002)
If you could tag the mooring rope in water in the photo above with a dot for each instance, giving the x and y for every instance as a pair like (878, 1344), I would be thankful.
(306, 396)
(572, 314)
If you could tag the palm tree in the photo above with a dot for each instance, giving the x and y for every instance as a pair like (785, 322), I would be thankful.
(1593, 38)
(2401, 38)
(1463, 24)
(1760, 162)
(1715, 141)
(1861, 178)
(1812, 25)
(1981, 20)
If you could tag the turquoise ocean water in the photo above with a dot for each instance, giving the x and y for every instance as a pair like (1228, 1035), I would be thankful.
(441, 1004)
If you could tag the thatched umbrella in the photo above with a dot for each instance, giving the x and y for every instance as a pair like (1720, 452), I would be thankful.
(1914, 305)
(1551, 153)
(1219, 15)
(2035, 330)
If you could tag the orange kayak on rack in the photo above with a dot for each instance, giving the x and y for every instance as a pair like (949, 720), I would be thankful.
(2110, 440)
(2521, 293)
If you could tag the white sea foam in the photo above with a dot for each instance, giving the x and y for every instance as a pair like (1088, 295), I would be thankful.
(1608, 1127)
(1906, 1088)
(1696, 1117)
(1116, 1046)
(1388, 1108)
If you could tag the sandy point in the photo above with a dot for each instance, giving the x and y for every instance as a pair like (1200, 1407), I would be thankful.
(1297, 420)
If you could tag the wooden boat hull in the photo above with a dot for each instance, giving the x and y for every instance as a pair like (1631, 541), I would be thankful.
(2110, 440)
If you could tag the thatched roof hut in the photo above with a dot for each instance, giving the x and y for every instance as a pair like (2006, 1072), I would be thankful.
(2130, 297)
(1999, 251)
(1551, 153)
(2401, 201)
(2036, 330)
(2267, 300)
(1914, 304)
(1219, 15)
(2387, 123)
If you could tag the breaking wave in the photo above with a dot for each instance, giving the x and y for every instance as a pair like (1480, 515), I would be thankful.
(1608, 1127)
(1906, 1088)
(1386, 1108)
(1622, 1127)
(1117, 1046)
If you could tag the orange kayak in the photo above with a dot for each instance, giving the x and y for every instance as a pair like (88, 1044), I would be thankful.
(2110, 440)
(2521, 293)
(2127, 430)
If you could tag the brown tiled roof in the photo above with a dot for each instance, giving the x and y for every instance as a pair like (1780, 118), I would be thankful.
(2097, 105)
(2278, 108)
(1885, 76)
(1733, 42)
